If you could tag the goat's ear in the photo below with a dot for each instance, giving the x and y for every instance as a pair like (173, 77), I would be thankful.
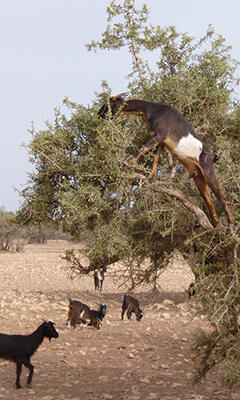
(120, 95)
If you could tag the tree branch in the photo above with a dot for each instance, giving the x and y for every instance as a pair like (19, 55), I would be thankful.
(157, 187)
(201, 216)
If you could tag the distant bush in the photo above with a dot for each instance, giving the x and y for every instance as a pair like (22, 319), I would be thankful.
(9, 230)
(14, 236)
(48, 231)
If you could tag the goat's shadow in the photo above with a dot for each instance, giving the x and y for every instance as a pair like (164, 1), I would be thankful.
(146, 298)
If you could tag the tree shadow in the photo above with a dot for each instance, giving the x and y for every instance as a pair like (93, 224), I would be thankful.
(150, 297)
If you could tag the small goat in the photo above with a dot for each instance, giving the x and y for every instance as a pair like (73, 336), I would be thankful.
(19, 348)
(99, 278)
(131, 305)
(80, 313)
(167, 128)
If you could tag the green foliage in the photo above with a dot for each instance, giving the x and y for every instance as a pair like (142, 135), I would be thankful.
(8, 230)
(82, 181)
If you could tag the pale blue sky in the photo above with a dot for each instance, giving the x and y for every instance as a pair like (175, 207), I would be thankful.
(43, 59)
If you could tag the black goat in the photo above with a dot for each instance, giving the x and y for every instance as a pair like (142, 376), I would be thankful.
(19, 348)
(131, 305)
(80, 313)
(96, 315)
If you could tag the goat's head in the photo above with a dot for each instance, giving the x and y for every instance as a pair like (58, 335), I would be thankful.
(48, 330)
(139, 315)
(114, 104)
(103, 309)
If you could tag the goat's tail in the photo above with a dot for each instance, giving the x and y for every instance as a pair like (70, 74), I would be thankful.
(70, 301)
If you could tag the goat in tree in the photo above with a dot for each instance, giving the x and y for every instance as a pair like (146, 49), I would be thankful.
(167, 128)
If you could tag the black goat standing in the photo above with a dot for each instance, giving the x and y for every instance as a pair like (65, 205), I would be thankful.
(19, 348)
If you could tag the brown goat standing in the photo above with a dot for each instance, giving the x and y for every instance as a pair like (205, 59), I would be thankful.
(131, 305)
(167, 128)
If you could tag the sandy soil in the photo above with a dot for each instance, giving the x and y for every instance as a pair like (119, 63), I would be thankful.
(125, 360)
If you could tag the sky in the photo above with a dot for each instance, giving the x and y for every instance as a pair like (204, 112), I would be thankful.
(44, 60)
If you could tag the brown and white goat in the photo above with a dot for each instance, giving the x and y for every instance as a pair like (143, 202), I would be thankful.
(168, 128)
(131, 305)
(80, 313)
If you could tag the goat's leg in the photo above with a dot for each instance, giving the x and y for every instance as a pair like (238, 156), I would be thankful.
(129, 312)
(73, 322)
(214, 185)
(19, 370)
(70, 313)
(202, 186)
(149, 145)
(31, 369)
(123, 312)
(155, 161)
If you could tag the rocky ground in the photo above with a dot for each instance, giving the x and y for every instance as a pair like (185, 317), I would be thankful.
(125, 360)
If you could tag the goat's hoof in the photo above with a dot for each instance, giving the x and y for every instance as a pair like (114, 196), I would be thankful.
(18, 386)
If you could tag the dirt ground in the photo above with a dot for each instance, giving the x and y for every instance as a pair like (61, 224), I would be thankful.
(126, 360)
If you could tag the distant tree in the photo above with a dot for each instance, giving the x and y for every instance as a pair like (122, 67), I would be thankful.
(10, 232)
(81, 179)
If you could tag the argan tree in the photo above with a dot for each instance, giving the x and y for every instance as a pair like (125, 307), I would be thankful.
(82, 180)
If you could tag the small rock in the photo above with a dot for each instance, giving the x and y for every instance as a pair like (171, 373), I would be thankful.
(168, 302)
(235, 396)
(145, 380)
(165, 366)
(107, 396)
(166, 315)
(152, 396)
(177, 385)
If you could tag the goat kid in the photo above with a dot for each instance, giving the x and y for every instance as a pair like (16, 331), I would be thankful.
(19, 348)
(131, 305)
(80, 313)
(168, 129)
(99, 277)
(99, 314)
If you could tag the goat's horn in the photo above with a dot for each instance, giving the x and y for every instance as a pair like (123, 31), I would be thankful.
(120, 95)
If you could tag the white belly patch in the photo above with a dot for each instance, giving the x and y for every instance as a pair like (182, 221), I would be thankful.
(188, 146)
